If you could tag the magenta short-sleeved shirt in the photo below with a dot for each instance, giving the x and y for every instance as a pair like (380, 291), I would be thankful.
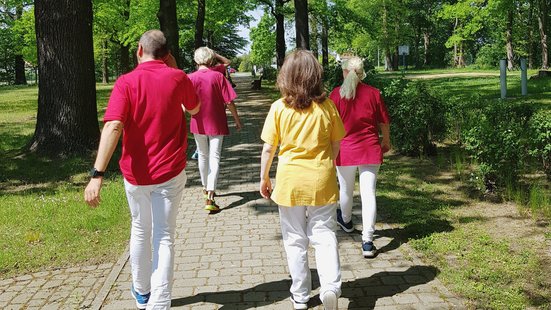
(214, 91)
(361, 117)
(149, 101)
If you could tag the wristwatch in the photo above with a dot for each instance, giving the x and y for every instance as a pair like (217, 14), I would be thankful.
(94, 173)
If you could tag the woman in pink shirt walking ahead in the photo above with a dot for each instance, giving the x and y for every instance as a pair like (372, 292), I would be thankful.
(210, 125)
(364, 114)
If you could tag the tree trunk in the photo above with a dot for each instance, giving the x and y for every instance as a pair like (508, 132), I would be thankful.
(461, 57)
(542, 22)
(530, 35)
(20, 78)
(301, 24)
(396, 60)
(280, 33)
(104, 66)
(314, 36)
(325, 42)
(509, 39)
(125, 58)
(125, 49)
(67, 118)
(426, 46)
(169, 26)
(388, 58)
(200, 23)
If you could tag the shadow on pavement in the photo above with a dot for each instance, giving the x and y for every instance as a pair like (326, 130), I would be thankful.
(361, 293)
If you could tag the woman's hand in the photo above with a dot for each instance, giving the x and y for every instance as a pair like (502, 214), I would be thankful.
(266, 188)
(385, 145)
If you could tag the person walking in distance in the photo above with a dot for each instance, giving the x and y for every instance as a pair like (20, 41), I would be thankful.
(147, 107)
(364, 114)
(307, 128)
(210, 125)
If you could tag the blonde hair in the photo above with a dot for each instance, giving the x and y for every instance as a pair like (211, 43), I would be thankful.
(300, 80)
(204, 56)
(356, 74)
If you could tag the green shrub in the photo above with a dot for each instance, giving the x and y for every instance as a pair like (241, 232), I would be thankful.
(540, 139)
(270, 73)
(497, 141)
(489, 55)
(417, 115)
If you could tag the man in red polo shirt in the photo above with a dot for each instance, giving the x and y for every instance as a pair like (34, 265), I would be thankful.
(146, 107)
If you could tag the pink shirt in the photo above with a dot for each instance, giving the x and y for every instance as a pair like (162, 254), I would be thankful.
(148, 101)
(214, 91)
(361, 117)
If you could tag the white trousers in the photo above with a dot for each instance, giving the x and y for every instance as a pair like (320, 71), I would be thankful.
(209, 149)
(154, 209)
(368, 183)
(301, 226)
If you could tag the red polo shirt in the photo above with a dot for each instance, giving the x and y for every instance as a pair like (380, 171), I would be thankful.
(148, 101)
(361, 117)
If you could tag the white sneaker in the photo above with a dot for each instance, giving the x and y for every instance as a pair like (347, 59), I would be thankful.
(329, 300)
(298, 305)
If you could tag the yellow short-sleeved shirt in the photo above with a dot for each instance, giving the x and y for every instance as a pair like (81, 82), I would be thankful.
(306, 174)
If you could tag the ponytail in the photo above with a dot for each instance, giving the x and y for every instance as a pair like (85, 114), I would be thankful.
(355, 69)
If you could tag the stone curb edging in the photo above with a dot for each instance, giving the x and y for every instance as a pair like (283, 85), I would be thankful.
(111, 278)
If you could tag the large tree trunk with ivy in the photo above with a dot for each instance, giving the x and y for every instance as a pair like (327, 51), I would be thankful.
(301, 24)
(542, 22)
(509, 39)
(200, 23)
(169, 26)
(20, 78)
(67, 118)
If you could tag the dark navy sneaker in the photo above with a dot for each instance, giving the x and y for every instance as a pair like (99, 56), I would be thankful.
(141, 300)
(298, 305)
(348, 227)
(368, 249)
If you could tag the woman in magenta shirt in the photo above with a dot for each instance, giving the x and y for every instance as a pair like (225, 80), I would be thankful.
(364, 114)
(210, 125)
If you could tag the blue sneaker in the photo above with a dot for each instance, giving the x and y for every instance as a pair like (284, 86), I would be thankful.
(368, 249)
(348, 227)
(141, 300)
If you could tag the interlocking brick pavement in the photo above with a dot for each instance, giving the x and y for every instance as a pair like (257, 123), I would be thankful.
(235, 259)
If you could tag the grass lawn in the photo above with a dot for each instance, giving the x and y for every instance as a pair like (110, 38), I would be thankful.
(44, 222)
(486, 252)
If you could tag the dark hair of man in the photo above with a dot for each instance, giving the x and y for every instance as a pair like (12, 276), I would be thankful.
(154, 43)
(300, 80)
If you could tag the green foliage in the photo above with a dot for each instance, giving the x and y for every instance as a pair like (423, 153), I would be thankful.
(263, 41)
(418, 116)
(245, 65)
(497, 141)
(540, 139)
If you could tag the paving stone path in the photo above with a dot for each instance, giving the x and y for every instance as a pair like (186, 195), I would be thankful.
(235, 259)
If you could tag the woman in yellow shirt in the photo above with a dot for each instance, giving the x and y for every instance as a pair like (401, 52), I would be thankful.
(307, 128)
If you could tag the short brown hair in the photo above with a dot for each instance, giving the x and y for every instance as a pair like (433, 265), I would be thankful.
(154, 43)
(300, 80)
